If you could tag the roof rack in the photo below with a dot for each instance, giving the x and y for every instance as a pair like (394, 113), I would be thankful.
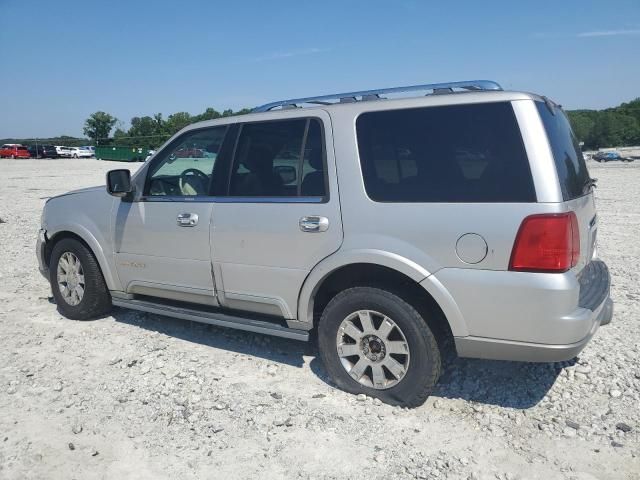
(365, 95)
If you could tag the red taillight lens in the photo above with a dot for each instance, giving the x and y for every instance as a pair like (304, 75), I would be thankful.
(546, 243)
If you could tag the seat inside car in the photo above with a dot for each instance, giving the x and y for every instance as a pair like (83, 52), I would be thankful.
(313, 182)
(261, 179)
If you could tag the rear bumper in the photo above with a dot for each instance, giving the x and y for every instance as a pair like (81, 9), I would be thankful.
(537, 320)
(495, 349)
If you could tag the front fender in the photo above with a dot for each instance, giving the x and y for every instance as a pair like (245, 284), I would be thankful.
(105, 261)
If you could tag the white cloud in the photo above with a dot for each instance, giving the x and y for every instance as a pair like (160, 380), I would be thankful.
(590, 34)
(609, 33)
(290, 53)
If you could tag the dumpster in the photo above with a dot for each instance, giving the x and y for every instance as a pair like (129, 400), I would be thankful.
(121, 153)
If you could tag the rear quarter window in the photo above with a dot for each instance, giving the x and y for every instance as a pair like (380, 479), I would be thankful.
(572, 170)
(456, 153)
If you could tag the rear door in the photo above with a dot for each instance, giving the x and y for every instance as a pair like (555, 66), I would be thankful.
(281, 216)
(573, 176)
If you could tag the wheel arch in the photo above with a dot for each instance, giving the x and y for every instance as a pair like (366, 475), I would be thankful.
(382, 269)
(82, 235)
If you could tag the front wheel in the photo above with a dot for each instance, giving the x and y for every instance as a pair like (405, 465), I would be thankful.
(372, 341)
(77, 282)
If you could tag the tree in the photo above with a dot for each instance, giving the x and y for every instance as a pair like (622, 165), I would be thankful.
(98, 126)
(209, 114)
(143, 127)
(177, 122)
(119, 135)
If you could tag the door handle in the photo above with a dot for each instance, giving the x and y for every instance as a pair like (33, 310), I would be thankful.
(187, 219)
(313, 224)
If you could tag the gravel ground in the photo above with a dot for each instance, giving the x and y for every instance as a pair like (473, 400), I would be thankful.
(135, 395)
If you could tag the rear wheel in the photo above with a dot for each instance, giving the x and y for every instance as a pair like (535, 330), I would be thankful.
(77, 282)
(371, 341)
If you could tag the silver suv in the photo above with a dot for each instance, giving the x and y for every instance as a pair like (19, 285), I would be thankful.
(382, 224)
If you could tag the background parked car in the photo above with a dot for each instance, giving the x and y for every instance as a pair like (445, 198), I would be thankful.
(63, 151)
(43, 151)
(610, 156)
(80, 152)
(13, 150)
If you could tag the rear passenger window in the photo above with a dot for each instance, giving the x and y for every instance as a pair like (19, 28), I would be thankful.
(279, 159)
(459, 153)
(572, 170)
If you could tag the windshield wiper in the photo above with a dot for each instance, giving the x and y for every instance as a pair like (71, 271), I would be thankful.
(590, 183)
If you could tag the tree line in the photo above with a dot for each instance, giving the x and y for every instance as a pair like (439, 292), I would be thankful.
(147, 132)
(612, 127)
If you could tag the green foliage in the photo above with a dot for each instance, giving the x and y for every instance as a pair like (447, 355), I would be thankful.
(612, 127)
(151, 132)
(65, 140)
(99, 125)
(145, 132)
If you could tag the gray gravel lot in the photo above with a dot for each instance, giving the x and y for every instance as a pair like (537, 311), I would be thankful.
(135, 395)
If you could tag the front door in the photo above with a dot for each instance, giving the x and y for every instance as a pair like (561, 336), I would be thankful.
(162, 242)
(281, 216)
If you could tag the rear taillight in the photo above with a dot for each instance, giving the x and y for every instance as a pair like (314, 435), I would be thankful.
(546, 243)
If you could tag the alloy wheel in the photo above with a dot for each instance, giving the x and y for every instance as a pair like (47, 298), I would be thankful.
(70, 276)
(373, 349)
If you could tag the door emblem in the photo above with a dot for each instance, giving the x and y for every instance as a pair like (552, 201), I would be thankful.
(133, 264)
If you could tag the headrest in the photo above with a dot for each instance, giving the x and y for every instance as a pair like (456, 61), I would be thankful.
(315, 159)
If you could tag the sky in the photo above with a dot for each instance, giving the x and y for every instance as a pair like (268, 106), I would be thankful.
(63, 60)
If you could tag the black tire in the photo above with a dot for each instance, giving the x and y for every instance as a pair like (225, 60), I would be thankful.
(96, 300)
(424, 367)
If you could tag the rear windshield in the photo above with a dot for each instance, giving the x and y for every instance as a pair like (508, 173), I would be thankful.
(456, 153)
(22, 148)
(570, 165)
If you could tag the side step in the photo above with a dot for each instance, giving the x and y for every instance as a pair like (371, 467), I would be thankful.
(214, 318)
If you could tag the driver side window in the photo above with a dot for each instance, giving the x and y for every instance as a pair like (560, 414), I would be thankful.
(185, 167)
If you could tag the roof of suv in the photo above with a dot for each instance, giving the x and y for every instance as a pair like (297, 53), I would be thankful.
(455, 93)
(434, 90)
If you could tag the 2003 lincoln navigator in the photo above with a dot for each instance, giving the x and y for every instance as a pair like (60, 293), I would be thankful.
(382, 220)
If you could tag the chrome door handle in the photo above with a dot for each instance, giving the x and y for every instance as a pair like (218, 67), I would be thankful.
(314, 223)
(187, 219)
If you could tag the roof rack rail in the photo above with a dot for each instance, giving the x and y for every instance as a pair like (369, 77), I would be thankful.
(350, 97)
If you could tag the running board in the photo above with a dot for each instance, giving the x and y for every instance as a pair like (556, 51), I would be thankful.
(213, 318)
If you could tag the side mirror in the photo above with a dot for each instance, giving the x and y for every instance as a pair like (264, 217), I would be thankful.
(287, 173)
(119, 182)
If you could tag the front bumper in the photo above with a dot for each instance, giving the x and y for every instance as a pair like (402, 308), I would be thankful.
(595, 308)
(41, 249)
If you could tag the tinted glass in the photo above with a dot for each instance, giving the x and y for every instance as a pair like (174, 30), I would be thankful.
(572, 170)
(313, 163)
(279, 159)
(185, 167)
(459, 153)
